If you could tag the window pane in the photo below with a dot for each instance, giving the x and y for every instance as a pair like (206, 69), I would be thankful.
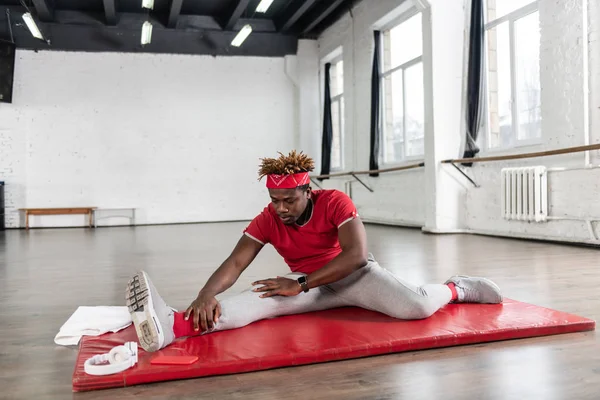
(405, 42)
(393, 118)
(499, 8)
(498, 86)
(415, 110)
(341, 132)
(336, 75)
(527, 57)
(339, 69)
(336, 161)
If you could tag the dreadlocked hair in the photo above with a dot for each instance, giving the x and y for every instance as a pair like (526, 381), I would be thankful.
(286, 165)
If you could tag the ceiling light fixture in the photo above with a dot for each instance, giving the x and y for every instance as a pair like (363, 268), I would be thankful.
(263, 6)
(32, 26)
(241, 36)
(146, 33)
(149, 4)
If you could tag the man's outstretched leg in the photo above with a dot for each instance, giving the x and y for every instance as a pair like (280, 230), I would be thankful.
(375, 288)
(157, 324)
(371, 287)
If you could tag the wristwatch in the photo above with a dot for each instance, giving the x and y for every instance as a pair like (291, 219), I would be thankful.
(303, 283)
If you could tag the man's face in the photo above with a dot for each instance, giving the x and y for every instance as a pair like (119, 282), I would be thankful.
(289, 203)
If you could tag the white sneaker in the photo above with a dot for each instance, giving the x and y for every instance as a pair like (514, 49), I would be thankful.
(475, 290)
(152, 318)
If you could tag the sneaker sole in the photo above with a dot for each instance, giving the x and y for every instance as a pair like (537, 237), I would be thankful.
(486, 280)
(145, 320)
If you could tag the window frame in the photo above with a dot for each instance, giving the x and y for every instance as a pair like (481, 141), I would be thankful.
(484, 139)
(333, 57)
(341, 110)
(405, 16)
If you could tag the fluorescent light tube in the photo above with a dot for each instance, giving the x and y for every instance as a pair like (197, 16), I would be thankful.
(146, 32)
(148, 4)
(241, 36)
(33, 28)
(263, 6)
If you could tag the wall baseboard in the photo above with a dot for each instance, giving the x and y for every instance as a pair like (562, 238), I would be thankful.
(537, 238)
(509, 235)
(370, 221)
(16, 228)
(403, 224)
(443, 231)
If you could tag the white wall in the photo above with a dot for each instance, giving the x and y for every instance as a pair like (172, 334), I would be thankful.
(573, 193)
(177, 137)
(443, 58)
(306, 76)
(398, 196)
(437, 197)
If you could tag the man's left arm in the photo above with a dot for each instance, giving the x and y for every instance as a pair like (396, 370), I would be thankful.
(353, 241)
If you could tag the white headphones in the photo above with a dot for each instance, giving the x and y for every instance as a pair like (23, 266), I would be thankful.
(119, 359)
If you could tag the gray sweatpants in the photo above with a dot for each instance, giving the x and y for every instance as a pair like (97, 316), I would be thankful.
(371, 287)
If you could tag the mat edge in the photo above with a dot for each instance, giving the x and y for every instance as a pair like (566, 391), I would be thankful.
(445, 342)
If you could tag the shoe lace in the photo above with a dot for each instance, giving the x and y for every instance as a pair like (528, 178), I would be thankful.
(469, 295)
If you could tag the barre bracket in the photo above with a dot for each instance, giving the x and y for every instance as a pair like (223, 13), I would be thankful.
(465, 175)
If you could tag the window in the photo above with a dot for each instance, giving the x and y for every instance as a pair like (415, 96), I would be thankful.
(336, 74)
(512, 39)
(402, 105)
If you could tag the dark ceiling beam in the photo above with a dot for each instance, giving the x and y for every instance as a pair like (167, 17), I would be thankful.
(45, 9)
(324, 14)
(133, 21)
(174, 12)
(287, 24)
(235, 15)
(110, 11)
(200, 35)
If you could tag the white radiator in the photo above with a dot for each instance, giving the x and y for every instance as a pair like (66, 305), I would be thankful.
(525, 194)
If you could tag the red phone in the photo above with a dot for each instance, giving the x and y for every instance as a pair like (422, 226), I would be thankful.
(174, 360)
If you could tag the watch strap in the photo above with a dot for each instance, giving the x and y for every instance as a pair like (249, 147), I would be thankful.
(303, 283)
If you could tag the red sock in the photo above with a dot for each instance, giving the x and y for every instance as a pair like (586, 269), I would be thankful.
(452, 287)
(183, 328)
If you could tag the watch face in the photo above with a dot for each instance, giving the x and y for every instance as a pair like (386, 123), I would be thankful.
(302, 279)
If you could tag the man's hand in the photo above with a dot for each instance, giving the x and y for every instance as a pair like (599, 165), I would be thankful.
(278, 287)
(205, 311)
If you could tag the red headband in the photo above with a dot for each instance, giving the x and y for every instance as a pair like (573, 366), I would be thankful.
(275, 181)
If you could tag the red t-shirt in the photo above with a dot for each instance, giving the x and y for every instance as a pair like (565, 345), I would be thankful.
(311, 246)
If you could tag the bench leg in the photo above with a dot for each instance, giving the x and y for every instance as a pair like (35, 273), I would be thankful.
(26, 220)
(90, 216)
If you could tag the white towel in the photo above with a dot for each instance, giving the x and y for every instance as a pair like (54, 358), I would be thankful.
(92, 321)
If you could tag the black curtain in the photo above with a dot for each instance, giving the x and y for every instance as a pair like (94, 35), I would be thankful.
(474, 80)
(327, 126)
(375, 137)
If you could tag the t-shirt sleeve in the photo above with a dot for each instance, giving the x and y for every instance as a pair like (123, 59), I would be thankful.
(260, 228)
(341, 209)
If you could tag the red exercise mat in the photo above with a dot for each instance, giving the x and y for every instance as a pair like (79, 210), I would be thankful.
(337, 334)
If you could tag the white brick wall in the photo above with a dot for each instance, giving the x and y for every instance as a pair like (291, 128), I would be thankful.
(12, 162)
(444, 190)
(449, 200)
(572, 193)
(178, 137)
(308, 104)
(561, 73)
(594, 75)
(398, 197)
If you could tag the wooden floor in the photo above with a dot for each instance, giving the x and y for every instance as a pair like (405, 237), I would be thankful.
(46, 274)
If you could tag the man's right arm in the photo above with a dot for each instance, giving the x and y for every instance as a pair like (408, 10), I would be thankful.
(206, 310)
(227, 274)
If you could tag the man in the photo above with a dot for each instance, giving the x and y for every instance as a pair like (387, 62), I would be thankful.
(323, 241)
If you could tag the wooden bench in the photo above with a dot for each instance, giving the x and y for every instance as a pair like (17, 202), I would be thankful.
(58, 211)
